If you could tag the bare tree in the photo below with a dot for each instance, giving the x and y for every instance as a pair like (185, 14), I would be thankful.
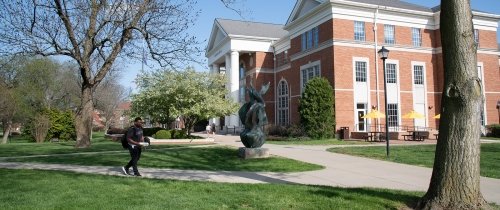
(107, 97)
(98, 30)
(455, 176)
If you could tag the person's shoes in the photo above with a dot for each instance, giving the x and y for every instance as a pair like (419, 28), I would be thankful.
(125, 171)
(137, 174)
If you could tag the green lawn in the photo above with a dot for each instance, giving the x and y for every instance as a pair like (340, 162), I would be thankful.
(490, 138)
(192, 158)
(423, 155)
(158, 156)
(295, 141)
(21, 146)
(35, 189)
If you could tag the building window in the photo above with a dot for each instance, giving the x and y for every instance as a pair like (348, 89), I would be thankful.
(391, 73)
(360, 71)
(389, 34)
(476, 37)
(359, 31)
(392, 115)
(418, 75)
(283, 117)
(308, 74)
(310, 39)
(416, 37)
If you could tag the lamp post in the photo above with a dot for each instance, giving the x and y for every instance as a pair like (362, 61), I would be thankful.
(383, 54)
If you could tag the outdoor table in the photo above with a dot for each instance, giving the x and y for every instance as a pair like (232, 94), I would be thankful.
(375, 136)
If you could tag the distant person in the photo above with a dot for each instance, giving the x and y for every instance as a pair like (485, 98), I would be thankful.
(213, 128)
(208, 129)
(134, 137)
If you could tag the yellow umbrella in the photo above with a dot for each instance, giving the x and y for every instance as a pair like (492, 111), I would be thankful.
(437, 116)
(373, 114)
(413, 115)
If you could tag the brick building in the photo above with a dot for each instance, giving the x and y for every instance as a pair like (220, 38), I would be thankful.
(339, 40)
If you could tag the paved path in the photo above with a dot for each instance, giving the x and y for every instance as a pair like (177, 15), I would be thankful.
(340, 170)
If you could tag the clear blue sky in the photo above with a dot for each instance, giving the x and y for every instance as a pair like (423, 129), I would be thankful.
(267, 11)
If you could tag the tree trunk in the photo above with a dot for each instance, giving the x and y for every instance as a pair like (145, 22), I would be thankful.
(83, 119)
(455, 176)
(6, 131)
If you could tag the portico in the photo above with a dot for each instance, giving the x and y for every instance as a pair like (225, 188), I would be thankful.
(233, 52)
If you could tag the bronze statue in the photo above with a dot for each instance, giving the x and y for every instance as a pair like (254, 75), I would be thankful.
(253, 115)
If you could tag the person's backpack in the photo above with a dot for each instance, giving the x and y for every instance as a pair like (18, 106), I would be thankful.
(124, 140)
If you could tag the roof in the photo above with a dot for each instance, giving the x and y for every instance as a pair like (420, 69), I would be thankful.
(396, 4)
(254, 29)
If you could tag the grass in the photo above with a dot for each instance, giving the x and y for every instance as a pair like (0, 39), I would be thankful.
(194, 158)
(159, 156)
(423, 155)
(297, 141)
(35, 189)
(22, 146)
(490, 138)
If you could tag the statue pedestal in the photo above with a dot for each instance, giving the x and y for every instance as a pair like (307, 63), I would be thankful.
(251, 153)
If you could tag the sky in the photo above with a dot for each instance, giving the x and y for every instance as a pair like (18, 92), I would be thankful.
(266, 11)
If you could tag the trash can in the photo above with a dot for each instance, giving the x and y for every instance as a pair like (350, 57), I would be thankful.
(344, 132)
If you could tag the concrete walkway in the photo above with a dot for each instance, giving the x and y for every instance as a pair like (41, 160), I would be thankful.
(340, 170)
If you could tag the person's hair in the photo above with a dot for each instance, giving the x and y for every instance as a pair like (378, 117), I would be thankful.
(137, 119)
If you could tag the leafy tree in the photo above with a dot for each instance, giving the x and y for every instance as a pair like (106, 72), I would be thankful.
(191, 95)
(455, 176)
(95, 34)
(316, 109)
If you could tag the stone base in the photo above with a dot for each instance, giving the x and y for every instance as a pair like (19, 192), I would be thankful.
(251, 153)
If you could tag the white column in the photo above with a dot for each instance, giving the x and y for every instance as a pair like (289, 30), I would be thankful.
(235, 84)
(215, 70)
(228, 85)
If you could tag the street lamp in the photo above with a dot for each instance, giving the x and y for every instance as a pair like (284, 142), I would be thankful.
(383, 54)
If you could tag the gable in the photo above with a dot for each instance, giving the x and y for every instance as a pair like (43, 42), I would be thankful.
(216, 36)
(301, 8)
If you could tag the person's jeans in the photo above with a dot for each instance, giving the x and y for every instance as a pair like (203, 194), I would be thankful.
(135, 155)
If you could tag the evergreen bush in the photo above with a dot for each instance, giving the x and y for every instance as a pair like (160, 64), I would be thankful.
(493, 130)
(180, 134)
(163, 134)
(151, 131)
(316, 109)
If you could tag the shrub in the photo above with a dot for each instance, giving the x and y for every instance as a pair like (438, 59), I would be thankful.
(116, 131)
(295, 130)
(61, 125)
(151, 131)
(493, 130)
(277, 130)
(163, 134)
(180, 134)
(316, 109)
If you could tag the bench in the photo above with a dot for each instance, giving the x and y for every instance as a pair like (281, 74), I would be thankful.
(417, 136)
(228, 128)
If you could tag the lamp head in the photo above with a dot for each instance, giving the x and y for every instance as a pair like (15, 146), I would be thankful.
(383, 53)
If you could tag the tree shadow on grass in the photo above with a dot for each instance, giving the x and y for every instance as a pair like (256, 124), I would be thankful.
(377, 197)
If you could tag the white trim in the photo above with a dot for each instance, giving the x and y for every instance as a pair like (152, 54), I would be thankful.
(398, 87)
(481, 64)
(277, 111)
(424, 81)
(310, 64)
(357, 98)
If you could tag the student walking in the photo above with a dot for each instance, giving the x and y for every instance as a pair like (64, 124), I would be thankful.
(134, 137)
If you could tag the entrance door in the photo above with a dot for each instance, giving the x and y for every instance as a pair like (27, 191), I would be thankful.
(361, 111)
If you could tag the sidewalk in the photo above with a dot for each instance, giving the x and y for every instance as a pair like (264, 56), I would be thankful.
(340, 170)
